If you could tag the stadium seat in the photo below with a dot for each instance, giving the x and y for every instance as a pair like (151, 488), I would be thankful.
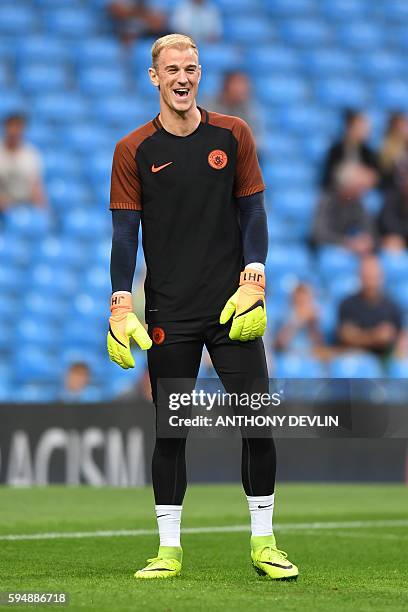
(392, 94)
(307, 119)
(60, 107)
(4, 76)
(46, 277)
(66, 192)
(282, 90)
(93, 52)
(343, 10)
(328, 61)
(35, 78)
(219, 57)
(37, 306)
(290, 258)
(398, 368)
(78, 222)
(341, 92)
(396, 11)
(293, 365)
(125, 111)
(85, 137)
(306, 33)
(38, 48)
(34, 393)
(343, 286)
(380, 65)
(11, 102)
(99, 81)
(355, 365)
(269, 59)
(335, 261)
(281, 174)
(33, 363)
(288, 9)
(28, 221)
(60, 164)
(61, 252)
(70, 22)
(395, 266)
(16, 18)
(244, 30)
(36, 330)
(361, 35)
(14, 250)
(11, 279)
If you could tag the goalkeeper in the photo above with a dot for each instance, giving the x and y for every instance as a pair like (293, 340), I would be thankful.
(193, 180)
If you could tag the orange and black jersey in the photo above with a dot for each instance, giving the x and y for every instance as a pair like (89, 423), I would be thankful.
(186, 189)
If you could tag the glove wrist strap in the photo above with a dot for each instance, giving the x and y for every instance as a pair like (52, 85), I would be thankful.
(250, 276)
(121, 302)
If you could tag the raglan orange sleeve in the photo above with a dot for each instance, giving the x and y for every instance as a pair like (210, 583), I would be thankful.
(248, 176)
(126, 192)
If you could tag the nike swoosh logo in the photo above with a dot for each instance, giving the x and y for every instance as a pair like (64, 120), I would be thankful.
(261, 507)
(155, 169)
(277, 565)
(160, 515)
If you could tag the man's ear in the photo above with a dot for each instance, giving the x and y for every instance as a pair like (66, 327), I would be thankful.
(153, 77)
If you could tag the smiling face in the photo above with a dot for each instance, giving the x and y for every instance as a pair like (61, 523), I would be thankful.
(177, 75)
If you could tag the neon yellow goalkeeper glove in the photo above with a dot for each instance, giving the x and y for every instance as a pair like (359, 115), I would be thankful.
(248, 307)
(123, 325)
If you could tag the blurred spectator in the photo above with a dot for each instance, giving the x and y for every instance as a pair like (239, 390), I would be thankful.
(20, 167)
(76, 381)
(394, 148)
(351, 148)
(134, 19)
(341, 217)
(370, 320)
(200, 19)
(235, 99)
(393, 218)
(300, 332)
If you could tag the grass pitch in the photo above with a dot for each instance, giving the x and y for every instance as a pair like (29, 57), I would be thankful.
(349, 541)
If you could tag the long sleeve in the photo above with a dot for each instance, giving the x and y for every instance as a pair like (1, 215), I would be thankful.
(124, 248)
(254, 228)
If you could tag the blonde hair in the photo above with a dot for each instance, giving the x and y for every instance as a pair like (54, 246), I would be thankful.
(180, 41)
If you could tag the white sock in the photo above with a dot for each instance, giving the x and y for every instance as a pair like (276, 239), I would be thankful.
(261, 510)
(168, 522)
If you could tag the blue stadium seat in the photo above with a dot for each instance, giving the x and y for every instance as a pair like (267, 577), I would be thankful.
(35, 393)
(4, 76)
(290, 8)
(11, 102)
(220, 57)
(60, 107)
(40, 48)
(78, 222)
(284, 90)
(86, 138)
(281, 175)
(99, 81)
(97, 280)
(14, 250)
(244, 30)
(141, 55)
(392, 94)
(361, 35)
(28, 221)
(37, 306)
(239, 7)
(36, 330)
(399, 293)
(46, 277)
(35, 78)
(307, 119)
(121, 110)
(315, 146)
(343, 10)
(293, 365)
(60, 164)
(395, 266)
(342, 92)
(295, 204)
(277, 145)
(305, 32)
(329, 61)
(398, 368)
(104, 52)
(71, 22)
(291, 258)
(61, 252)
(343, 286)
(41, 134)
(66, 192)
(355, 365)
(11, 279)
(33, 363)
(379, 65)
(397, 11)
(16, 18)
(334, 261)
(269, 59)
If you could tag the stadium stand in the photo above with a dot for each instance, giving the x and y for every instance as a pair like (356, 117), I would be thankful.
(61, 64)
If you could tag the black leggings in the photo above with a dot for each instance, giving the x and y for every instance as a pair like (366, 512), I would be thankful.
(238, 364)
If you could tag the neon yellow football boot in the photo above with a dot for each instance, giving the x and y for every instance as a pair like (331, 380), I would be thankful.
(167, 564)
(270, 561)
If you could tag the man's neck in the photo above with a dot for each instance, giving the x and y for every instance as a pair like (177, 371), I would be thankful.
(181, 124)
